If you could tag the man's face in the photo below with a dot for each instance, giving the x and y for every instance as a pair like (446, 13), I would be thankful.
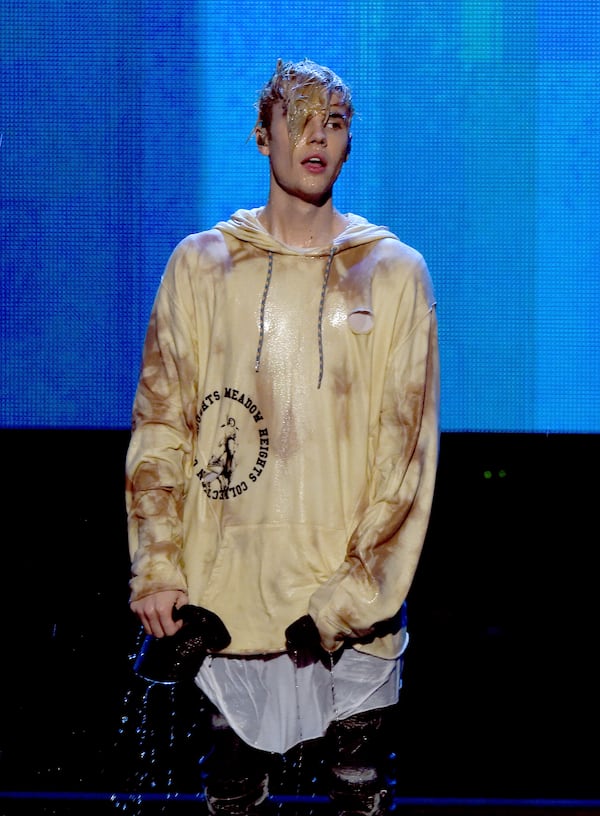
(307, 147)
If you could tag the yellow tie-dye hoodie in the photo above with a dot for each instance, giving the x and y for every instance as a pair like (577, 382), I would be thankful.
(285, 433)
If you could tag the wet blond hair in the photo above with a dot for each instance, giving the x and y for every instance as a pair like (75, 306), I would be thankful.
(303, 87)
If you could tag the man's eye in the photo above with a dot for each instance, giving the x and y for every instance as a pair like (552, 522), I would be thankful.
(334, 124)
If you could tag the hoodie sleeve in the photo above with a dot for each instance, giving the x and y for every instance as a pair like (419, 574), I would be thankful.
(384, 548)
(159, 456)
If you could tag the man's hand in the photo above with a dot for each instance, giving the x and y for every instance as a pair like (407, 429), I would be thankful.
(179, 656)
(156, 611)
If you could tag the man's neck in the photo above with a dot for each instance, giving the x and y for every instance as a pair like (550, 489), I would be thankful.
(301, 224)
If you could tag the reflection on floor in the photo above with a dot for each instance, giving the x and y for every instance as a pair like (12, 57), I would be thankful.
(98, 804)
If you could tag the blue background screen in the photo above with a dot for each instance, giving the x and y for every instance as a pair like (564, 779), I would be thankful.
(124, 126)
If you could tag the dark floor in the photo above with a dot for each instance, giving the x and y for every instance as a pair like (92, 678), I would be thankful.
(66, 804)
(499, 713)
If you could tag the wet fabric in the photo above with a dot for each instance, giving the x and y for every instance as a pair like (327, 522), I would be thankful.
(273, 705)
(272, 493)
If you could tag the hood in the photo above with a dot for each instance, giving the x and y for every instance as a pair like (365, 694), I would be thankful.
(245, 226)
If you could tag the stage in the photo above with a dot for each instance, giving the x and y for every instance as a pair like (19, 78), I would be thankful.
(499, 708)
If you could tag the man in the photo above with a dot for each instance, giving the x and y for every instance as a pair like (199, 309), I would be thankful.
(283, 456)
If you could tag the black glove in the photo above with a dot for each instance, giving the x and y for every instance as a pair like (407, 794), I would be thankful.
(303, 642)
(179, 656)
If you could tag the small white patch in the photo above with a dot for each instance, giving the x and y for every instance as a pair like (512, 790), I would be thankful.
(361, 321)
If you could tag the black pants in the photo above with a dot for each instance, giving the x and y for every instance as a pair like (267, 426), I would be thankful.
(237, 776)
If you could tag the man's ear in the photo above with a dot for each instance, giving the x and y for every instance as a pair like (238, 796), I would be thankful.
(262, 140)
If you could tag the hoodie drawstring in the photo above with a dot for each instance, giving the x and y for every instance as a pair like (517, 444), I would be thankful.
(263, 302)
(321, 306)
(261, 335)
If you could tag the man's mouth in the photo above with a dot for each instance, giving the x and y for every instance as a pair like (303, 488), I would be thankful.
(314, 163)
(319, 160)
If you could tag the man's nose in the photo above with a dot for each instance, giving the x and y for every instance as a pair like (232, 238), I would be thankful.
(316, 130)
